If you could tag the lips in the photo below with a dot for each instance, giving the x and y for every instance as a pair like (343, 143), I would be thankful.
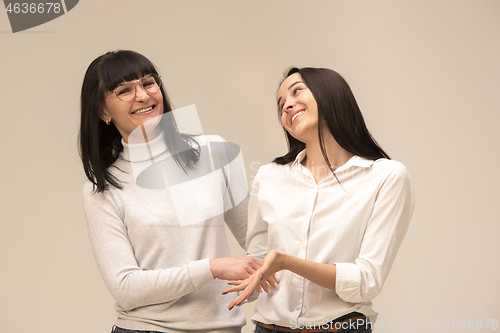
(146, 110)
(295, 115)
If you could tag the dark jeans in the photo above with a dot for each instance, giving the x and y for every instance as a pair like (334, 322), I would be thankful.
(355, 326)
(117, 329)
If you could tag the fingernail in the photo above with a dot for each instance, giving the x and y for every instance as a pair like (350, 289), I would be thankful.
(231, 308)
(224, 293)
(261, 276)
(238, 305)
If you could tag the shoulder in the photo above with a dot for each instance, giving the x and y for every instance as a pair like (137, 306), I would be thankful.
(90, 194)
(387, 166)
(391, 171)
(217, 146)
(204, 139)
(87, 188)
(213, 138)
(271, 170)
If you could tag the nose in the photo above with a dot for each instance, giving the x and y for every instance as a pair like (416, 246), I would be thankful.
(289, 105)
(140, 93)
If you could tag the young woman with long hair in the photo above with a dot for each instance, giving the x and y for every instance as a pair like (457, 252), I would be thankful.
(328, 217)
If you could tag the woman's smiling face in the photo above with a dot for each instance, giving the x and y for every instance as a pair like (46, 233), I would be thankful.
(299, 110)
(127, 116)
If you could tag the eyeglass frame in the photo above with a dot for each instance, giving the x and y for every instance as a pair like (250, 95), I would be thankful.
(132, 83)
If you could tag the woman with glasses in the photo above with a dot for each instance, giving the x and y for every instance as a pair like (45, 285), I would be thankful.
(328, 217)
(159, 241)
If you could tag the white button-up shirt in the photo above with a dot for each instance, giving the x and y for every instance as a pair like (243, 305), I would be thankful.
(358, 226)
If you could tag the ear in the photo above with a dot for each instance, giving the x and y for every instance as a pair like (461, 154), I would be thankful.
(104, 115)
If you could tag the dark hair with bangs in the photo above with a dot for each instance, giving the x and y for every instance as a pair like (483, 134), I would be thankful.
(100, 144)
(339, 109)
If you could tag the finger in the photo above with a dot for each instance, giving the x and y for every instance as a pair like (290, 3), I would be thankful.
(272, 281)
(235, 288)
(240, 299)
(265, 286)
(235, 301)
(249, 290)
(232, 290)
(235, 282)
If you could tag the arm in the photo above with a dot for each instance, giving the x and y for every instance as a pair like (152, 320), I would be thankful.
(256, 241)
(362, 280)
(236, 205)
(130, 285)
(236, 220)
(322, 274)
(236, 199)
(257, 233)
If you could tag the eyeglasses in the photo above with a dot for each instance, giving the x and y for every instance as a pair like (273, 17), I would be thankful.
(126, 91)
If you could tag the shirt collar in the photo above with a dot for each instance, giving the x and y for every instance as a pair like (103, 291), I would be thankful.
(353, 161)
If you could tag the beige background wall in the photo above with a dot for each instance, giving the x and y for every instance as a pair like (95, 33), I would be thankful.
(427, 77)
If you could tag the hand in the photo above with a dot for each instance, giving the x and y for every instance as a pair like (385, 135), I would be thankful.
(237, 268)
(273, 262)
(242, 284)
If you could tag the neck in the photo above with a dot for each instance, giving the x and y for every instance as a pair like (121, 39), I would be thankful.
(315, 161)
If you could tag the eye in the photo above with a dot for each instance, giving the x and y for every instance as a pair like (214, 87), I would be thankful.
(296, 90)
(124, 90)
(148, 83)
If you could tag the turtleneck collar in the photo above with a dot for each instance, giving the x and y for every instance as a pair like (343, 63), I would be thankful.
(146, 151)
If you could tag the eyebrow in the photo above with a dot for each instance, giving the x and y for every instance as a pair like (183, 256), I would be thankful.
(126, 83)
(293, 84)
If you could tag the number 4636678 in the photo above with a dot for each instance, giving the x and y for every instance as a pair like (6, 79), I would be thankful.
(33, 8)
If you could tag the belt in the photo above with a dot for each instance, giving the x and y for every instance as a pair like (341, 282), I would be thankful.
(331, 328)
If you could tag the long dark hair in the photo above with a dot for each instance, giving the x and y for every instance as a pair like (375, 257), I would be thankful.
(100, 144)
(339, 109)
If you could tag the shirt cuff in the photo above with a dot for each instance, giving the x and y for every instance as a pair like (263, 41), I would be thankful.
(348, 282)
(200, 273)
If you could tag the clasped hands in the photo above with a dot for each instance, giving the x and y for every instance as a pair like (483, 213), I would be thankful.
(261, 278)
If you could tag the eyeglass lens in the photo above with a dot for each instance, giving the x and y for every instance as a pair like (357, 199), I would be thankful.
(126, 91)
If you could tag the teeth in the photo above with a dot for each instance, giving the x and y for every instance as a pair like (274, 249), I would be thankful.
(296, 115)
(143, 110)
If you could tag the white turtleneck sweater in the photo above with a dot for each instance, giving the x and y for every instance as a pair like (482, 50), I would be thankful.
(153, 258)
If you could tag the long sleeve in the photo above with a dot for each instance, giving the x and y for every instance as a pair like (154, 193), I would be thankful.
(257, 243)
(130, 285)
(362, 280)
(236, 196)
